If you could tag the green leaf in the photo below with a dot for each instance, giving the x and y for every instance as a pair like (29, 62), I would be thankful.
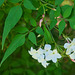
(21, 29)
(53, 23)
(58, 2)
(72, 22)
(57, 12)
(33, 22)
(32, 38)
(63, 8)
(17, 70)
(61, 27)
(12, 19)
(1, 2)
(67, 12)
(52, 14)
(40, 12)
(28, 5)
(18, 40)
(39, 31)
(48, 36)
(14, 1)
(6, 72)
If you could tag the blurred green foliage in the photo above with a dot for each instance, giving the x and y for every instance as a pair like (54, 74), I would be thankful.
(20, 62)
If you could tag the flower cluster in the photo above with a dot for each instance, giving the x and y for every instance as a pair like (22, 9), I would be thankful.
(44, 55)
(70, 49)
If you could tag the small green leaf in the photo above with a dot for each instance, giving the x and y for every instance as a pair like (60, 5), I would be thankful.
(21, 29)
(29, 5)
(61, 27)
(18, 40)
(53, 23)
(58, 2)
(39, 31)
(33, 22)
(47, 35)
(32, 38)
(1, 2)
(52, 14)
(67, 12)
(13, 17)
(72, 22)
(57, 12)
(14, 1)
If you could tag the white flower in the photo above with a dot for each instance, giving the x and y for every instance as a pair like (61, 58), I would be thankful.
(70, 47)
(52, 55)
(32, 51)
(47, 47)
(72, 56)
(43, 61)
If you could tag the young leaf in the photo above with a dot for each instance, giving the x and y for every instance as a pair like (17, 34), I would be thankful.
(21, 29)
(57, 12)
(53, 23)
(39, 31)
(32, 38)
(28, 5)
(14, 1)
(58, 2)
(33, 22)
(52, 14)
(67, 12)
(72, 22)
(1, 2)
(18, 40)
(61, 27)
(13, 17)
(47, 35)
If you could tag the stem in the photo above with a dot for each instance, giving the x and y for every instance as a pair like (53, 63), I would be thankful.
(47, 3)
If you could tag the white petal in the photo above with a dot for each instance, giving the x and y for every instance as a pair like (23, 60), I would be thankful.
(68, 51)
(54, 59)
(40, 51)
(47, 47)
(72, 56)
(45, 64)
(66, 45)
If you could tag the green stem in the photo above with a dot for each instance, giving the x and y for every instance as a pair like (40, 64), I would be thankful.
(48, 3)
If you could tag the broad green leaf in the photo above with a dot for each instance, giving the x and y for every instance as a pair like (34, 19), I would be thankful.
(39, 30)
(48, 36)
(57, 12)
(28, 5)
(12, 19)
(18, 40)
(63, 8)
(72, 22)
(52, 14)
(33, 22)
(14, 1)
(61, 27)
(67, 12)
(21, 29)
(32, 38)
(1, 2)
(58, 2)
(17, 70)
(53, 23)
